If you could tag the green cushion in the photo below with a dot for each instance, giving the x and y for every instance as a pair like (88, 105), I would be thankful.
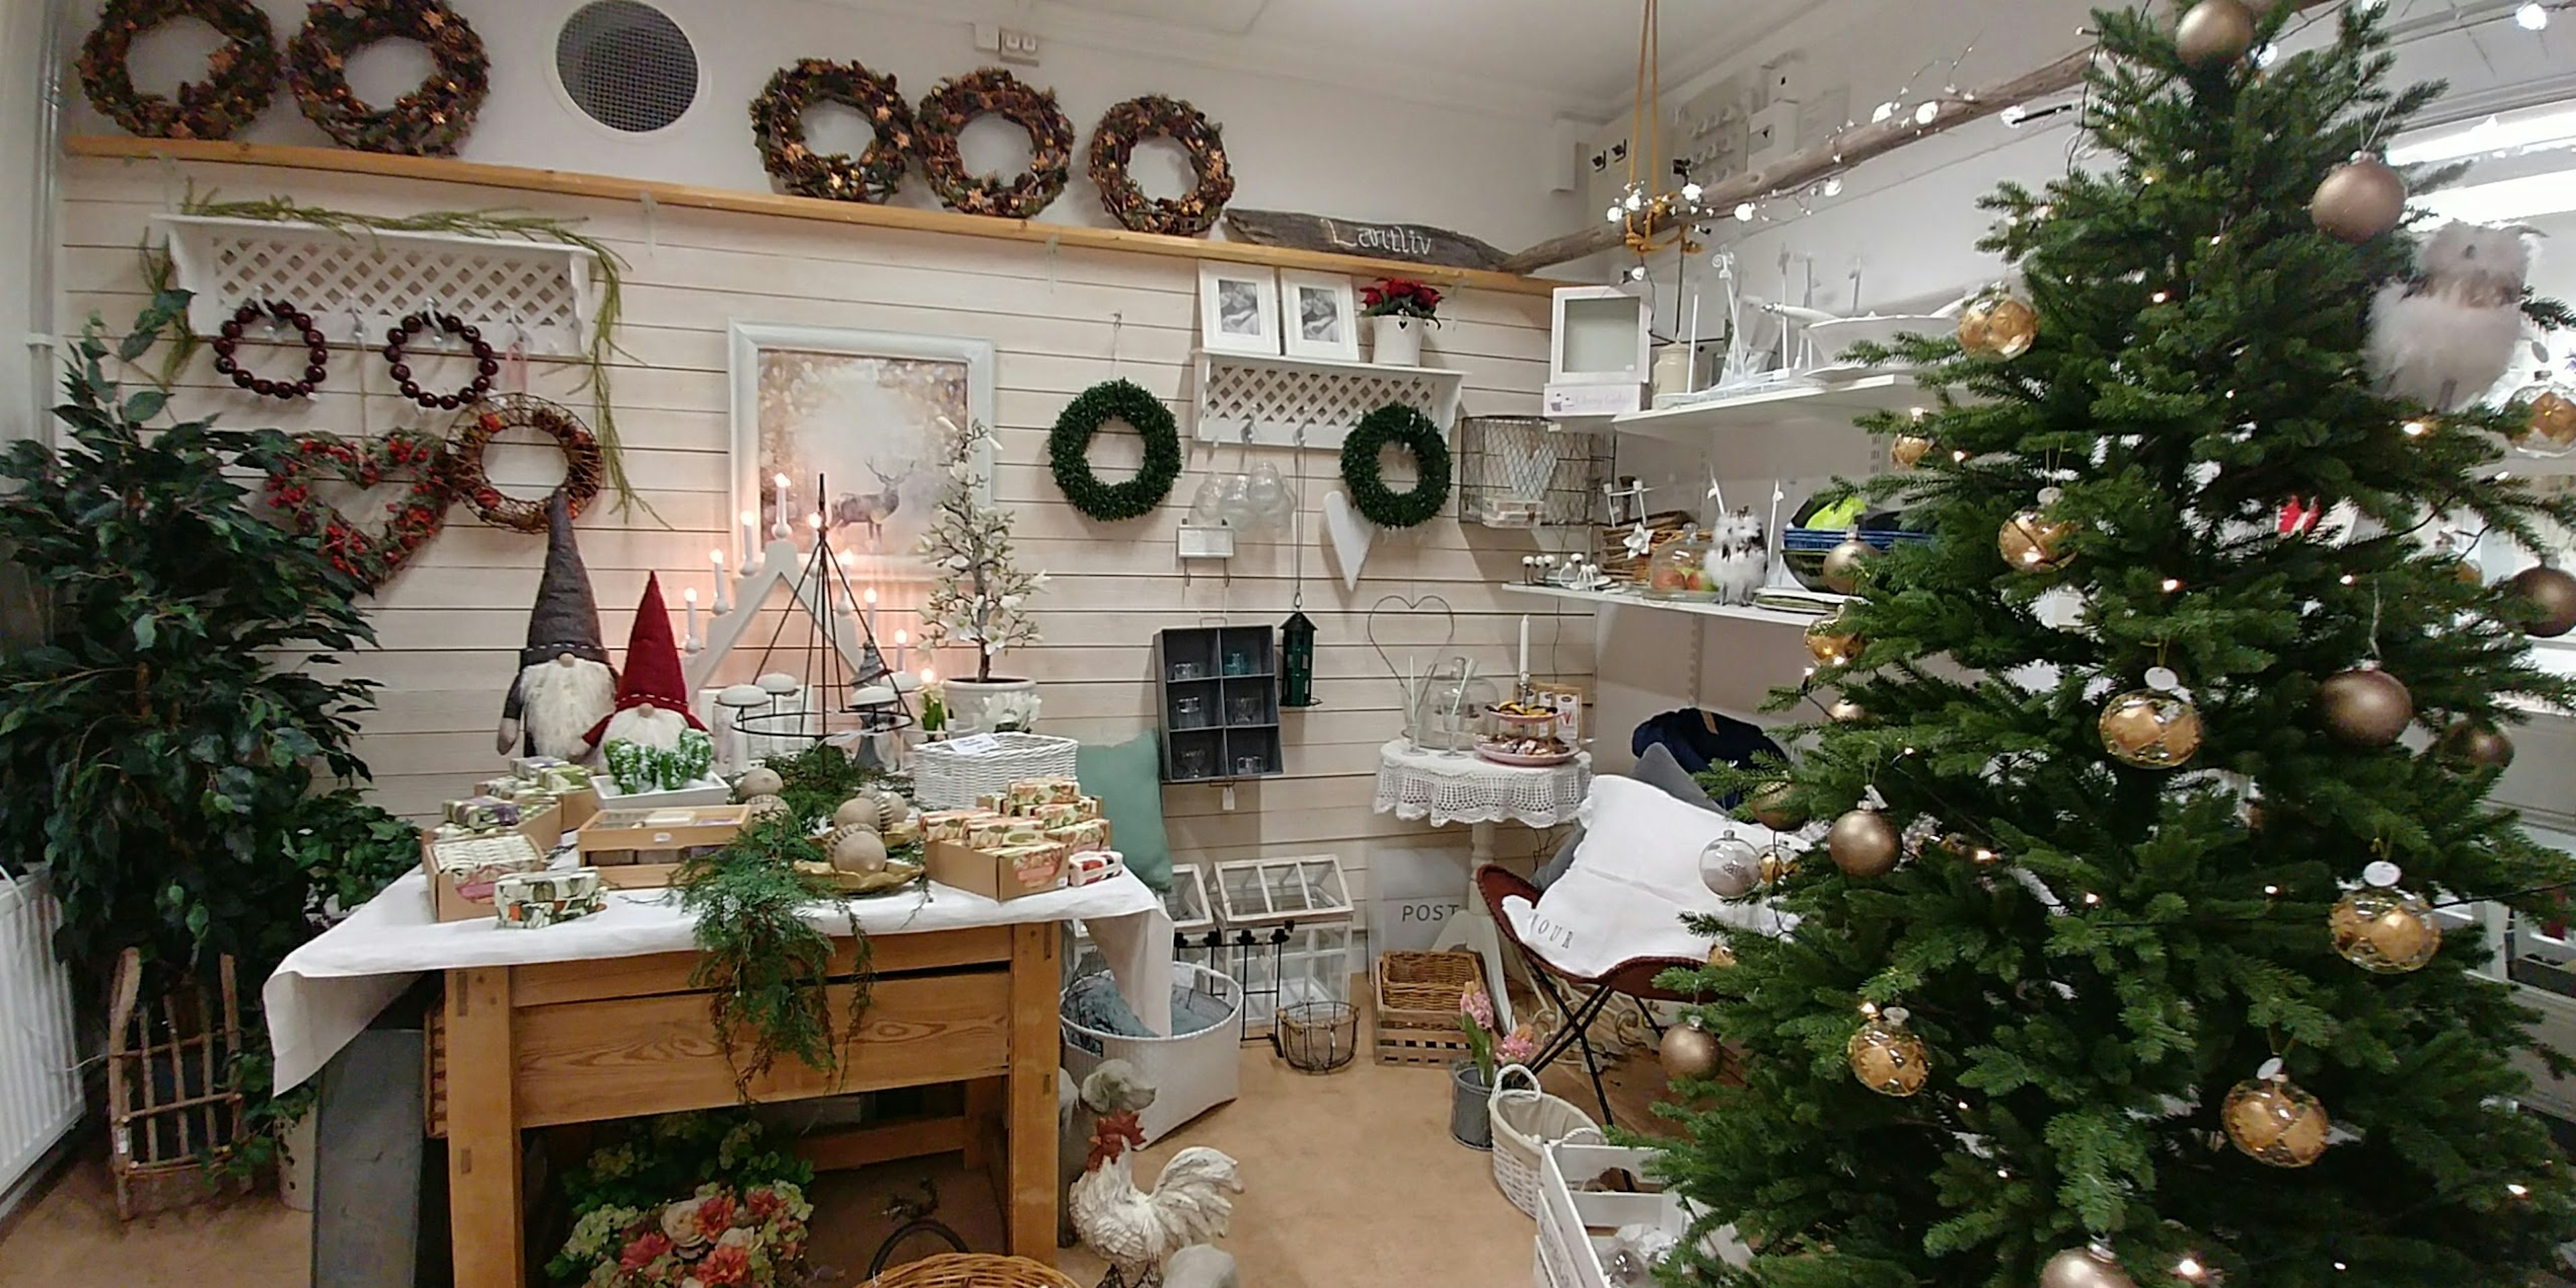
(1128, 779)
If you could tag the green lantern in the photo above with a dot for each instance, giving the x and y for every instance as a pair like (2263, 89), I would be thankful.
(1297, 662)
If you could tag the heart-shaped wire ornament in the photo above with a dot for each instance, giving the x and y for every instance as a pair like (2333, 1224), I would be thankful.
(1409, 679)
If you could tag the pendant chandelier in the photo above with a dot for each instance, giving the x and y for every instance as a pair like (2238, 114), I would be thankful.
(1651, 217)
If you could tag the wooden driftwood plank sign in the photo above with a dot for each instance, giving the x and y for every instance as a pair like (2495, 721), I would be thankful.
(1410, 243)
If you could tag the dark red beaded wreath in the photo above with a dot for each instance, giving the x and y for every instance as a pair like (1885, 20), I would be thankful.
(487, 363)
(317, 351)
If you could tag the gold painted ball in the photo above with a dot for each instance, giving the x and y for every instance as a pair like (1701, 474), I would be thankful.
(1831, 641)
(2553, 593)
(2214, 33)
(2365, 706)
(2359, 200)
(2032, 542)
(1769, 806)
(1864, 844)
(2383, 931)
(2468, 746)
(856, 849)
(2084, 1268)
(1730, 867)
(764, 807)
(1843, 565)
(2150, 729)
(2273, 1120)
(1887, 1057)
(1689, 1051)
(759, 780)
(1909, 450)
(1998, 326)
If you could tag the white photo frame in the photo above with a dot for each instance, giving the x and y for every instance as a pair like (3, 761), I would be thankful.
(1601, 336)
(1319, 315)
(1239, 309)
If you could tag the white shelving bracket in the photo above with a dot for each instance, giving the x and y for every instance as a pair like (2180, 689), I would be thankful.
(1309, 402)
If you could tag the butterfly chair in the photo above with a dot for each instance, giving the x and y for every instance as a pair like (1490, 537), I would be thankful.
(1633, 979)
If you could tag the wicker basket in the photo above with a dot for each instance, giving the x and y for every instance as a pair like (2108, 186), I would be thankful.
(1417, 1005)
(972, 1270)
(1525, 1124)
(945, 778)
(1318, 1037)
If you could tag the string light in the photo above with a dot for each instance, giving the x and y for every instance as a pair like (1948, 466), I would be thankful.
(2531, 17)
(2517, 1189)
(2271, 892)
(1834, 186)
(2172, 584)
(1744, 212)
(2345, 579)
(2415, 428)
(2267, 55)
(2190, 1268)
(1886, 110)
(1927, 114)
(2159, 297)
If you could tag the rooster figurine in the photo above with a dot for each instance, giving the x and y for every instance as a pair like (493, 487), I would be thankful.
(2445, 338)
(1136, 1232)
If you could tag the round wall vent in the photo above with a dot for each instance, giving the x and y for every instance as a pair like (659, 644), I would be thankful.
(626, 65)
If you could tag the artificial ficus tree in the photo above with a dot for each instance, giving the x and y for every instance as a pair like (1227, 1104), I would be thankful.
(979, 595)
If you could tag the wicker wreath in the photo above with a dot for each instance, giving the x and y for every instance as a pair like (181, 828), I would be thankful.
(1069, 448)
(583, 462)
(1113, 145)
(429, 121)
(241, 76)
(778, 129)
(369, 557)
(994, 92)
(1401, 426)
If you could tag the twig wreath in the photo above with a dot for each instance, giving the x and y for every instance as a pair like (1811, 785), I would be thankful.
(778, 129)
(1113, 146)
(487, 362)
(993, 92)
(470, 481)
(1400, 426)
(317, 351)
(369, 557)
(429, 121)
(1069, 448)
(241, 77)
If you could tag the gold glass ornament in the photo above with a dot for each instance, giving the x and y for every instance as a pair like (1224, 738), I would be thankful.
(1769, 806)
(2359, 199)
(2548, 419)
(2553, 593)
(2092, 1267)
(1720, 956)
(1998, 326)
(1689, 1051)
(2272, 1120)
(2151, 729)
(2214, 33)
(1832, 641)
(2382, 929)
(1842, 566)
(2365, 706)
(1887, 1057)
(1909, 450)
(1864, 844)
(2468, 746)
(2032, 542)
(1960, 846)
(1846, 711)
(1730, 867)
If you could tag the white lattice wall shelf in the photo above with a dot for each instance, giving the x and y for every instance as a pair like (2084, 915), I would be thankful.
(1276, 399)
(364, 282)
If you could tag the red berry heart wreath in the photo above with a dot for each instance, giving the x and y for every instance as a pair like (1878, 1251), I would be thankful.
(370, 557)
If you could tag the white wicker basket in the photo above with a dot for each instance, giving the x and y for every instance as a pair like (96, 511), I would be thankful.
(1525, 1123)
(1190, 1074)
(945, 778)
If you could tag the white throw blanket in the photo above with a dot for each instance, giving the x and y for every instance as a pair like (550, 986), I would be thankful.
(1634, 876)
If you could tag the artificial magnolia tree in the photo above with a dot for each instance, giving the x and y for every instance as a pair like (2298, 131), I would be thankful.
(979, 596)
(2094, 981)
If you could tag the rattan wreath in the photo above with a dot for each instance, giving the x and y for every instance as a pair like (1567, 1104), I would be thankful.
(241, 77)
(1113, 145)
(583, 462)
(778, 129)
(370, 557)
(317, 351)
(429, 121)
(1401, 426)
(993, 92)
(1069, 448)
(487, 362)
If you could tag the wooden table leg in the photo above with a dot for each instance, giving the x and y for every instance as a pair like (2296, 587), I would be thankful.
(1035, 1043)
(482, 1132)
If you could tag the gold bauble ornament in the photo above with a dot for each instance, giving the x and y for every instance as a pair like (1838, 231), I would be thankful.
(1864, 844)
(1769, 806)
(1998, 326)
(2032, 542)
(1720, 956)
(2214, 33)
(1909, 450)
(2084, 1268)
(2467, 572)
(2359, 200)
(1960, 846)
(2547, 414)
(1846, 711)
(2469, 746)
(1730, 867)
(2382, 929)
(759, 780)
(2272, 1120)
(1832, 641)
(1842, 566)
(2150, 729)
(2365, 706)
(2553, 593)
(1689, 1051)
(1887, 1057)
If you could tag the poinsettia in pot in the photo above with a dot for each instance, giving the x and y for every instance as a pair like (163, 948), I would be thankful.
(1400, 311)
(980, 597)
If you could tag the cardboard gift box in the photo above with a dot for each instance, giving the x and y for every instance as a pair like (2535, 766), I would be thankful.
(463, 871)
(1002, 876)
(615, 838)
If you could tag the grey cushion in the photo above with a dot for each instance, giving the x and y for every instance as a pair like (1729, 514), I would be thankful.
(1656, 769)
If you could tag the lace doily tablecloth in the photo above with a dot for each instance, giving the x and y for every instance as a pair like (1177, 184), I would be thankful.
(1412, 784)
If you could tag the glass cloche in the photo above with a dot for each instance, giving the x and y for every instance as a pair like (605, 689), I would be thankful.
(1680, 569)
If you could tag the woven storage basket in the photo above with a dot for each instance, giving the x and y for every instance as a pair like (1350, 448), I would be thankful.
(944, 778)
(1525, 1124)
(1417, 1006)
(972, 1270)
(1191, 1073)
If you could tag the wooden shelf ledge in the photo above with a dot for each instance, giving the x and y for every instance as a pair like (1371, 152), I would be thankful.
(564, 183)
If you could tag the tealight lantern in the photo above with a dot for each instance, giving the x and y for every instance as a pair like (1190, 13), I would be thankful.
(1297, 661)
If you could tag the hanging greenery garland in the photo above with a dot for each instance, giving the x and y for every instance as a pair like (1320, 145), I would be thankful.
(241, 76)
(429, 121)
(778, 129)
(582, 464)
(1397, 425)
(1113, 146)
(994, 92)
(369, 557)
(1069, 448)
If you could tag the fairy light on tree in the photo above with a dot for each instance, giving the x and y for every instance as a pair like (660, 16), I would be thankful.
(979, 597)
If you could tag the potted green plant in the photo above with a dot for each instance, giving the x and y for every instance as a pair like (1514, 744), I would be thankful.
(1402, 310)
(980, 596)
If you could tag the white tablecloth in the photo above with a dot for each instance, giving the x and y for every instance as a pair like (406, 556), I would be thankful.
(327, 991)
(1466, 788)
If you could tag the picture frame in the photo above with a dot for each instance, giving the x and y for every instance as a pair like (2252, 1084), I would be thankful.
(1601, 336)
(1239, 309)
(861, 411)
(1319, 315)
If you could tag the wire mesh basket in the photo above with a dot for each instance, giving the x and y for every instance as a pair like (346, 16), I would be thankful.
(1318, 1037)
(1527, 472)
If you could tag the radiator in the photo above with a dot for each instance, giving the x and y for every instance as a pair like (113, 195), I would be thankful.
(40, 1094)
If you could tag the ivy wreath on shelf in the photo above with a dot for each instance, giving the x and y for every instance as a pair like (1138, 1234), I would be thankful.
(1113, 146)
(956, 102)
(1069, 451)
(1396, 425)
(428, 122)
(369, 557)
(468, 478)
(241, 75)
(778, 130)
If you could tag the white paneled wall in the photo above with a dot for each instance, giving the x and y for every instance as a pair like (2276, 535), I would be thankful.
(450, 625)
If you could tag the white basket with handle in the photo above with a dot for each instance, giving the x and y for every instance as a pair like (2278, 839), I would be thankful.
(1525, 1123)
(946, 777)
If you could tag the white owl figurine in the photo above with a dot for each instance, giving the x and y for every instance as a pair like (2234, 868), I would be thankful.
(1739, 560)
(2448, 336)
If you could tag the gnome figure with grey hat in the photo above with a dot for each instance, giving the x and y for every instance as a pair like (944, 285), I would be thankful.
(564, 688)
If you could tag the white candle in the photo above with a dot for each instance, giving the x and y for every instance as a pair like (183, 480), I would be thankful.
(1524, 649)
(690, 598)
(870, 595)
(786, 504)
(902, 640)
(717, 558)
(750, 541)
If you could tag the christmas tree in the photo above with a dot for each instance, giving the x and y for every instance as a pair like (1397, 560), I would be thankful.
(979, 596)
(2088, 985)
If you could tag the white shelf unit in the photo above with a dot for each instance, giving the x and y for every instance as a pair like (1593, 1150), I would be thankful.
(1630, 599)
(1273, 401)
(1799, 430)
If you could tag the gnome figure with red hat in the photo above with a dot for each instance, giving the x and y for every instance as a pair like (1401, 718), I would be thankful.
(652, 694)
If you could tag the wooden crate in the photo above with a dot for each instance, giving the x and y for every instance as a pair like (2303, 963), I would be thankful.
(1421, 1046)
(1417, 1006)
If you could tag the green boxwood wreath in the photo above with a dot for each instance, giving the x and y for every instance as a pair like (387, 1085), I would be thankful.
(1069, 451)
(1401, 426)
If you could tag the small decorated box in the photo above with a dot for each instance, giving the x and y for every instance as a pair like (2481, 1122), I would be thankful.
(483, 812)
(1014, 873)
(1027, 794)
(667, 835)
(1087, 807)
(1057, 813)
(533, 900)
(1089, 866)
(988, 833)
(531, 766)
(949, 824)
(1062, 791)
(994, 802)
(1035, 867)
(463, 870)
(1086, 834)
(502, 789)
(562, 780)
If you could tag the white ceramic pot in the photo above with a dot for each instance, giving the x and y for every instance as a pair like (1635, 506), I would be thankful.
(1398, 340)
(978, 706)
(295, 1164)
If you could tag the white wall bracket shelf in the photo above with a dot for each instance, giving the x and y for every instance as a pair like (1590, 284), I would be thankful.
(1794, 430)
(1630, 599)
(1311, 402)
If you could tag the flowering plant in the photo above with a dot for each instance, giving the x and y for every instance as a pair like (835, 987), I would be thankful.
(1393, 296)
(712, 1239)
(1490, 1050)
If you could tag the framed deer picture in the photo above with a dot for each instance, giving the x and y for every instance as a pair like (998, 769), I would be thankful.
(845, 426)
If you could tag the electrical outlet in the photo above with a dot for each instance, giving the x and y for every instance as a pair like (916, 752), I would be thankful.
(1019, 46)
